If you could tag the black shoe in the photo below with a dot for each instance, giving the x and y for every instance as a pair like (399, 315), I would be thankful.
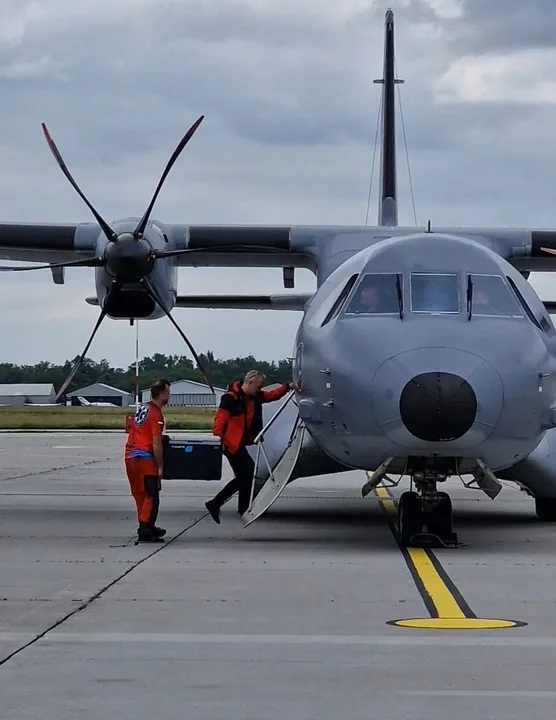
(160, 532)
(149, 537)
(214, 510)
(148, 533)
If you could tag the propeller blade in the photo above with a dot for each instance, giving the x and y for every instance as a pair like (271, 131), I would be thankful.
(82, 356)
(551, 251)
(103, 313)
(140, 229)
(86, 262)
(156, 297)
(110, 234)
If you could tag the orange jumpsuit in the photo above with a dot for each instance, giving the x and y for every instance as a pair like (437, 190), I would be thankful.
(140, 463)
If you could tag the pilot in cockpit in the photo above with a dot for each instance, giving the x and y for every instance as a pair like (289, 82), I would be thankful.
(369, 298)
(376, 294)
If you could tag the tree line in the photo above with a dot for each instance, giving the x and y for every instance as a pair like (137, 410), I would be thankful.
(172, 367)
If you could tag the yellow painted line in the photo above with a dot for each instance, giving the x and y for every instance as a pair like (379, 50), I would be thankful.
(443, 600)
(448, 609)
(464, 623)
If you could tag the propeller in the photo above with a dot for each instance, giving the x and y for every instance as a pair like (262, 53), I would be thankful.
(140, 229)
(115, 288)
(85, 262)
(152, 291)
(108, 231)
(550, 251)
(127, 257)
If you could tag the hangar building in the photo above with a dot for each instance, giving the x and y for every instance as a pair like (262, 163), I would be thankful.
(21, 393)
(100, 392)
(188, 393)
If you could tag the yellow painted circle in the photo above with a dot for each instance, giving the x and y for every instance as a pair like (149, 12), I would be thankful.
(460, 623)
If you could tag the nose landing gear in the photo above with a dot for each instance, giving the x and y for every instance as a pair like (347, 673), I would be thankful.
(426, 508)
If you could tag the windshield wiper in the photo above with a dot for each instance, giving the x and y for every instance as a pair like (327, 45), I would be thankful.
(469, 297)
(400, 296)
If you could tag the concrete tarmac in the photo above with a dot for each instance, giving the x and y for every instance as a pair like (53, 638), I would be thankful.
(285, 619)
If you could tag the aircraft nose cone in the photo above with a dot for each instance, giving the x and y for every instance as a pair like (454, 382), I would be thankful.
(449, 396)
(438, 406)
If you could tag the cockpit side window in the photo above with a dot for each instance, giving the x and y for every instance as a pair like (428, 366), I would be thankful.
(377, 293)
(526, 307)
(490, 296)
(436, 293)
(335, 309)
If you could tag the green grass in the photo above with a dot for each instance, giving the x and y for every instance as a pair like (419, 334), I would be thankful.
(96, 418)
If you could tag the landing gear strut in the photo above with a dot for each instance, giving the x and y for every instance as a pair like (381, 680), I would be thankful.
(425, 516)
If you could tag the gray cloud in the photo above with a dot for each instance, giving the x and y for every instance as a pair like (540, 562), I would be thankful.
(491, 25)
(288, 138)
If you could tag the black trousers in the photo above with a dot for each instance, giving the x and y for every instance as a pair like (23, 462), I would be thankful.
(243, 468)
(152, 488)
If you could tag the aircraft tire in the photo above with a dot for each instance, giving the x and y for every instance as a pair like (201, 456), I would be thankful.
(440, 520)
(410, 517)
(546, 509)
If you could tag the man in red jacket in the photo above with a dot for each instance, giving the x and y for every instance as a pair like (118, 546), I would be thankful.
(238, 421)
(144, 460)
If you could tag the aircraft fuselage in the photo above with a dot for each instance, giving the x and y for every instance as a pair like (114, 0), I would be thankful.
(436, 384)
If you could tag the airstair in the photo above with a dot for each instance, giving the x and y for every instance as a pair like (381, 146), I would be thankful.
(279, 475)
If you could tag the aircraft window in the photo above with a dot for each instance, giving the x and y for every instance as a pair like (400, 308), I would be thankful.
(491, 296)
(523, 304)
(377, 293)
(434, 293)
(335, 309)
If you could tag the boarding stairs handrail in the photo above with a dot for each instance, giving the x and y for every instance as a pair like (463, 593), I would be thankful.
(260, 437)
(259, 442)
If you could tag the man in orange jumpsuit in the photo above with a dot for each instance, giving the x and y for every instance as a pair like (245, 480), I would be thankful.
(144, 461)
(237, 422)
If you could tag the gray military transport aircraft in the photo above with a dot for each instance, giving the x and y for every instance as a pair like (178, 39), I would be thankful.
(423, 352)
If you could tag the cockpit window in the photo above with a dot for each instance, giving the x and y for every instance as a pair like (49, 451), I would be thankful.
(335, 309)
(526, 307)
(434, 293)
(377, 293)
(491, 296)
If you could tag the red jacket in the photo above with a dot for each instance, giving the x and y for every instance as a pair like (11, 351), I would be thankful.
(239, 419)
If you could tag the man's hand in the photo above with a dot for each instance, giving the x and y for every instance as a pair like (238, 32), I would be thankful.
(158, 453)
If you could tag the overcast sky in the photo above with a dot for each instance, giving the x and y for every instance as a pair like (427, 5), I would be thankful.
(291, 110)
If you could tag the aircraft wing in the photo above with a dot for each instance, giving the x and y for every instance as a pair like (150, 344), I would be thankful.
(191, 245)
(282, 246)
(245, 245)
(303, 246)
(41, 242)
(44, 243)
(245, 302)
(61, 242)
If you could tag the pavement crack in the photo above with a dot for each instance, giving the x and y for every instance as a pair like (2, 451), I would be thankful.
(99, 594)
(54, 469)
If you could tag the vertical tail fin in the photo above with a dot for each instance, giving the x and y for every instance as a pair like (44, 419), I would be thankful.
(388, 201)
